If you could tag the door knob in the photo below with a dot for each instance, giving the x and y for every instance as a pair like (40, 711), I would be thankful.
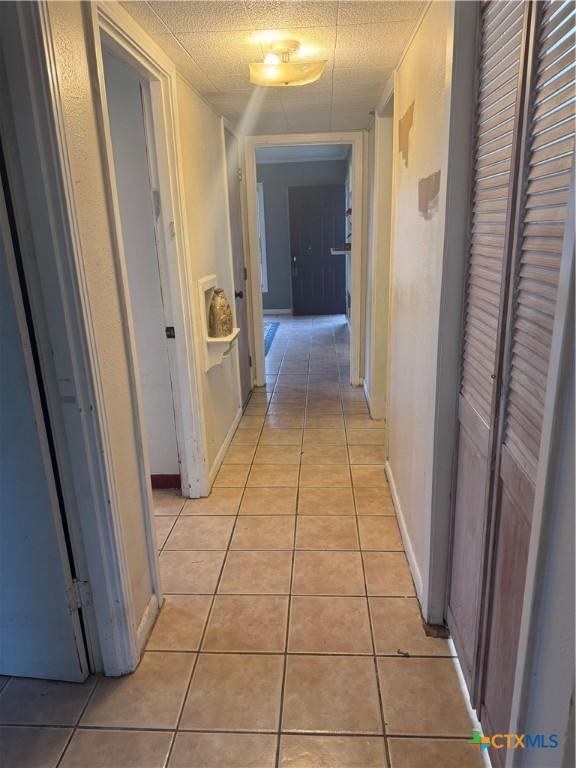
(239, 294)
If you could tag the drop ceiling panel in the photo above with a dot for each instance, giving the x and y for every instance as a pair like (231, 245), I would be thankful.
(212, 43)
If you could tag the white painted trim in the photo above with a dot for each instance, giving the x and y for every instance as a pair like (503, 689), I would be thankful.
(356, 139)
(406, 540)
(106, 558)
(224, 447)
(277, 312)
(128, 41)
(262, 236)
(147, 622)
(535, 575)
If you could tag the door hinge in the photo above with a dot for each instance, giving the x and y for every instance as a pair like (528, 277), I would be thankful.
(240, 174)
(250, 360)
(157, 203)
(79, 595)
(245, 274)
(170, 332)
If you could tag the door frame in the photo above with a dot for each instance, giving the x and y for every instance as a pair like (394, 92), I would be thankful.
(114, 28)
(356, 139)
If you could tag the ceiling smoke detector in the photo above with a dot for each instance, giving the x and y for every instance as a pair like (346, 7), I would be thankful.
(278, 71)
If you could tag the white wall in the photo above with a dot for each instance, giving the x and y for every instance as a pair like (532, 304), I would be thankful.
(379, 204)
(204, 192)
(133, 185)
(423, 80)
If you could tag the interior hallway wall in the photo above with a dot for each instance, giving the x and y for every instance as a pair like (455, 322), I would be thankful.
(133, 185)
(75, 80)
(204, 173)
(276, 179)
(422, 127)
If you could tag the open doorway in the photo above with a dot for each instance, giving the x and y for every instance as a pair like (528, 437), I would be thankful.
(134, 154)
(304, 260)
(303, 233)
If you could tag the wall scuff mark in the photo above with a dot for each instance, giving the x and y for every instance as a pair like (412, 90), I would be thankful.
(404, 127)
(428, 189)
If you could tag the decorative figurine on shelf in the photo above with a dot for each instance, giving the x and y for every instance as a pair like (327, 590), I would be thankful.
(220, 315)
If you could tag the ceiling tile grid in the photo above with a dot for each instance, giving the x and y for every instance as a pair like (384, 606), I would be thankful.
(212, 42)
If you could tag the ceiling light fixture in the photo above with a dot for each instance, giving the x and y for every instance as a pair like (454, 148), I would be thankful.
(278, 71)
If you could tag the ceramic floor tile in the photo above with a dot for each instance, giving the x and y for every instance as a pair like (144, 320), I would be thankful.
(284, 421)
(222, 501)
(223, 750)
(190, 572)
(151, 697)
(167, 502)
(43, 702)
(256, 573)
(232, 476)
(251, 422)
(246, 437)
(373, 501)
(273, 476)
(278, 454)
(162, 527)
(380, 533)
(286, 409)
(326, 532)
(329, 625)
(422, 697)
(332, 752)
(325, 476)
(324, 454)
(325, 421)
(431, 753)
(327, 573)
(388, 574)
(253, 624)
(365, 436)
(211, 532)
(180, 624)
(273, 532)
(232, 692)
(363, 421)
(239, 454)
(271, 436)
(398, 629)
(256, 409)
(324, 409)
(331, 694)
(313, 437)
(369, 476)
(22, 747)
(269, 501)
(325, 501)
(355, 407)
(120, 749)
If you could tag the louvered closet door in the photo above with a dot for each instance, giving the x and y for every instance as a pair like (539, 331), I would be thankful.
(502, 27)
(548, 163)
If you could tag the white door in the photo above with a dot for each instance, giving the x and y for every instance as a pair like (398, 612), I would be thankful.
(40, 632)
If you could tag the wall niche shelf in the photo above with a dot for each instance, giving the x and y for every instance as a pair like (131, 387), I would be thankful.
(216, 348)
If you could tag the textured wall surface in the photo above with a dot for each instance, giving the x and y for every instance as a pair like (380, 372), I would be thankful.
(276, 179)
(202, 157)
(422, 110)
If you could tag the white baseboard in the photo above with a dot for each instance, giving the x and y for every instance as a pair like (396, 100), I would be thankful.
(223, 448)
(147, 623)
(277, 311)
(406, 537)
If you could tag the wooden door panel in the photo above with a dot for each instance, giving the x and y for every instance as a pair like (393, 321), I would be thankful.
(317, 225)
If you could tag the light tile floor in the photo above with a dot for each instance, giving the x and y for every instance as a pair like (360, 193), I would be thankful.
(290, 635)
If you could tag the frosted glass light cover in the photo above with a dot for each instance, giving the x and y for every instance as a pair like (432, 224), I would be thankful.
(286, 74)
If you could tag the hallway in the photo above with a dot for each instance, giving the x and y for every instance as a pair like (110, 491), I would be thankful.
(290, 634)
